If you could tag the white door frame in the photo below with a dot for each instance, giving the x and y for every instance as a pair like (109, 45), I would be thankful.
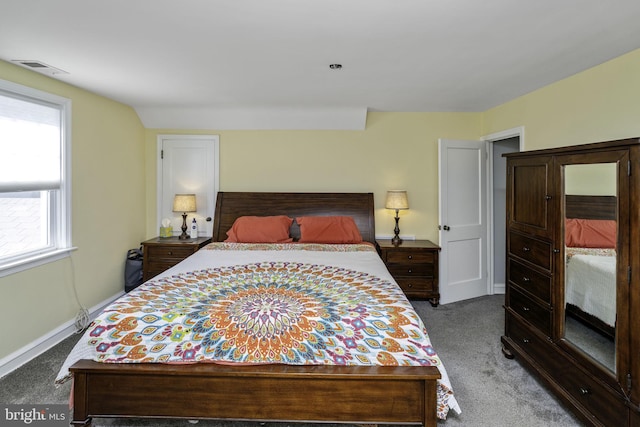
(216, 165)
(505, 134)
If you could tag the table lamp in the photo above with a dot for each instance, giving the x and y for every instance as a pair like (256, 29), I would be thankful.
(184, 203)
(397, 199)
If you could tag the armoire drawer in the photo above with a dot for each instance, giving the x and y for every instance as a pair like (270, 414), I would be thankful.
(535, 251)
(535, 283)
(604, 403)
(529, 310)
(527, 340)
(598, 399)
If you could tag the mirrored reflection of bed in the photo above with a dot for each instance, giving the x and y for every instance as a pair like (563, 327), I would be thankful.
(590, 275)
(267, 330)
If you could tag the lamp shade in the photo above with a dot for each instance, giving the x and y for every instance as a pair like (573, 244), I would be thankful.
(397, 199)
(184, 203)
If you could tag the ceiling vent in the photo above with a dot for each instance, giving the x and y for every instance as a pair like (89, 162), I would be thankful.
(39, 66)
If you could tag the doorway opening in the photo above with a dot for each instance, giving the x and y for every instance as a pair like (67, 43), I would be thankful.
(500, 143)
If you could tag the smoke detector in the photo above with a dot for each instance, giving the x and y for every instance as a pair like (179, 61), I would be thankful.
(39, 66)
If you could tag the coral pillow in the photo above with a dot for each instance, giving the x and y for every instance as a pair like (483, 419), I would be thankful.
(260, 229)
(328, 229)
(590, 233)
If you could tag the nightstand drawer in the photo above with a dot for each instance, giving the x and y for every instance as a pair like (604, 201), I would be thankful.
(171, 252)
(156, 268)
(158, 265)
(419, 286)
(416, 270)
(409, 257)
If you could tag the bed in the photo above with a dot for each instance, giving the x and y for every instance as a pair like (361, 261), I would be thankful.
(406, 387)
(590, 292)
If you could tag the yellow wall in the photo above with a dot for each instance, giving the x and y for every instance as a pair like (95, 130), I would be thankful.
(599, 104)
(108, 202)
(396, 151)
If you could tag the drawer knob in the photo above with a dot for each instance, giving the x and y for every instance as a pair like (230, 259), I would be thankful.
(410, 285)
(170, 252)
(584, 391)
(526, 249)
(410, 256)
(525, 340)
(525, 308)
(409, 271)
(526, 279)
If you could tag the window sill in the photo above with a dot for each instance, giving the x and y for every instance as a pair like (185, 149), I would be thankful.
(27, 263)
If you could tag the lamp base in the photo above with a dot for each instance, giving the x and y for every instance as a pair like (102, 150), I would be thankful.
(184, 234)
(396, 238)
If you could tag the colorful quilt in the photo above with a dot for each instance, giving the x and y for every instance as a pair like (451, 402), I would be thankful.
(306, 307)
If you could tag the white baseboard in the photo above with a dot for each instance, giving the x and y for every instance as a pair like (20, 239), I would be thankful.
(21, 356)
(499, 288)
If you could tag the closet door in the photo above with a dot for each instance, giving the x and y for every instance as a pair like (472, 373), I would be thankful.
(530, 212)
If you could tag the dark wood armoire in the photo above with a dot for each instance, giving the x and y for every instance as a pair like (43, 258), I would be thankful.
(572, 307)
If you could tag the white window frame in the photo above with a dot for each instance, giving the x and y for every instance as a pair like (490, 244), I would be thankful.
(60, 204)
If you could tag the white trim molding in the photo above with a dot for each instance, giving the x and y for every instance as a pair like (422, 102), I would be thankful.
(32, 350)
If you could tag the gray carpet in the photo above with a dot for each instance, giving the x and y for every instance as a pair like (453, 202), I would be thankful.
(492, 391)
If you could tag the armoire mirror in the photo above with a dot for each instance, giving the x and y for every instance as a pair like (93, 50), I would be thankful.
(591, 212)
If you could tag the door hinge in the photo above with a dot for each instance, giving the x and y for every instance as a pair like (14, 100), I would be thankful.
(629, 383)
(161, 154)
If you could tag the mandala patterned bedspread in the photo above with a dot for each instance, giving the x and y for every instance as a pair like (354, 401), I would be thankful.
(266, 303)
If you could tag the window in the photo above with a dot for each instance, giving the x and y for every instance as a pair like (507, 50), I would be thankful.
(35, 208)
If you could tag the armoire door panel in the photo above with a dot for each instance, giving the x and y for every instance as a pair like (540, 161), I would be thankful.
(530, 210)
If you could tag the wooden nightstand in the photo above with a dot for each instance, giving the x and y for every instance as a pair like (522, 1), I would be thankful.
(414, 265)
(160, 254)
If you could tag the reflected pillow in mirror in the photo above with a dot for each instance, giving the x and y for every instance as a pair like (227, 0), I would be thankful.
(590, 233)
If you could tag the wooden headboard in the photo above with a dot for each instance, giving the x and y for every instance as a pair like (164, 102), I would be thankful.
(231, 205)
(591, 207)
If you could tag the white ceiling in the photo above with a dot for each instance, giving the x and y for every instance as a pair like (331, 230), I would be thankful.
(221, 64)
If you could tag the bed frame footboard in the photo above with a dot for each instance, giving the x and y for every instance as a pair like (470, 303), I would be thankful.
(344, 394)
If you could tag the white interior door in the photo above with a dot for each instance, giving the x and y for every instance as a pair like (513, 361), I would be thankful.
(463, 219)
(188, 164)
